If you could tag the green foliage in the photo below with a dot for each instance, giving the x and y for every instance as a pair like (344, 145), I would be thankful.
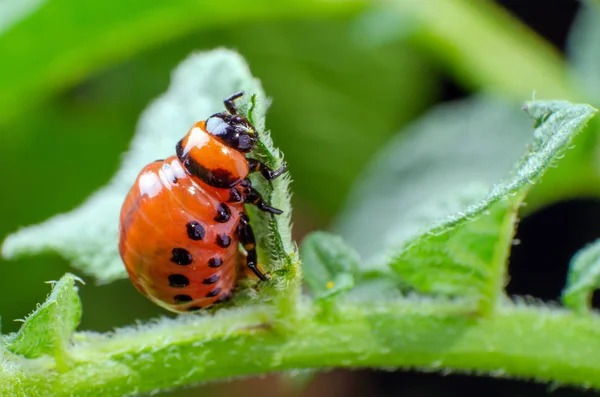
(415, 280)
(464, 261)
(329, 265)
(323, 102)
(578, 174)
(583, 278)
(459, 258)
(94, 35)
(446, 162)
(48, 329)
(283, 332)
(456, 237)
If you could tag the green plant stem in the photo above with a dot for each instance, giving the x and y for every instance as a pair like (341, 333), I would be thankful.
(489, 49)
(515, 341)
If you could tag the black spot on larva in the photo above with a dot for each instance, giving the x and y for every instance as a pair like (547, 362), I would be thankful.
(178, 281)
(194, 308)
(195, 230)
(223, 297)
(158, 161)
(223, 240)
(211, 279)
(181, 256)
(215, 262)
(223, 213)
(214, 292)
(234, 196)
(182, 298)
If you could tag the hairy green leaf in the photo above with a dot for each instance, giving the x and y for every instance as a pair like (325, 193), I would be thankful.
(433, 169)
(448, 222)
(48, 329)
(578, 175)
(583, 278)
(88, 36)
(88, 235)
(466, 261)
(328, 264)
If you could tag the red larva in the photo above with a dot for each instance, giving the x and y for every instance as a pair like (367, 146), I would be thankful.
(183, 219)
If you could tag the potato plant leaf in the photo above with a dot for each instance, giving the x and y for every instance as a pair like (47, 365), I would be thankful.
(328, 264)
(48, 329)
(88, 235)
(583, 278)
(448, 210)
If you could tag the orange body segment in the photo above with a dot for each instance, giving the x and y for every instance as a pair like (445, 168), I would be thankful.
(168, 220)
(212, 158)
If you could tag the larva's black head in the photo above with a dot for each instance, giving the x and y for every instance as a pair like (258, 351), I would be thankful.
(231, 128)
(234, 131)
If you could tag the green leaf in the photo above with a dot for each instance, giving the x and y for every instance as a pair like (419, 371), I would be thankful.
(447, 210)
(273, 233)
(583, 278)
(578, 175)
(464, 261)
(49, 328)
(87, 37)
(328, 264)
(88, 235)
(432, 170)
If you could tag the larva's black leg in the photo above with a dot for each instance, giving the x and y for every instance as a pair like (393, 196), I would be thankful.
(248, 241)
(252, 196)
(230, 105)
(269, 174)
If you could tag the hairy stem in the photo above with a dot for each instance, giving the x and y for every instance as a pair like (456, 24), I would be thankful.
(515, 341)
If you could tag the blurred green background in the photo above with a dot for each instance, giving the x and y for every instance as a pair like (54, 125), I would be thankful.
(344, 77)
